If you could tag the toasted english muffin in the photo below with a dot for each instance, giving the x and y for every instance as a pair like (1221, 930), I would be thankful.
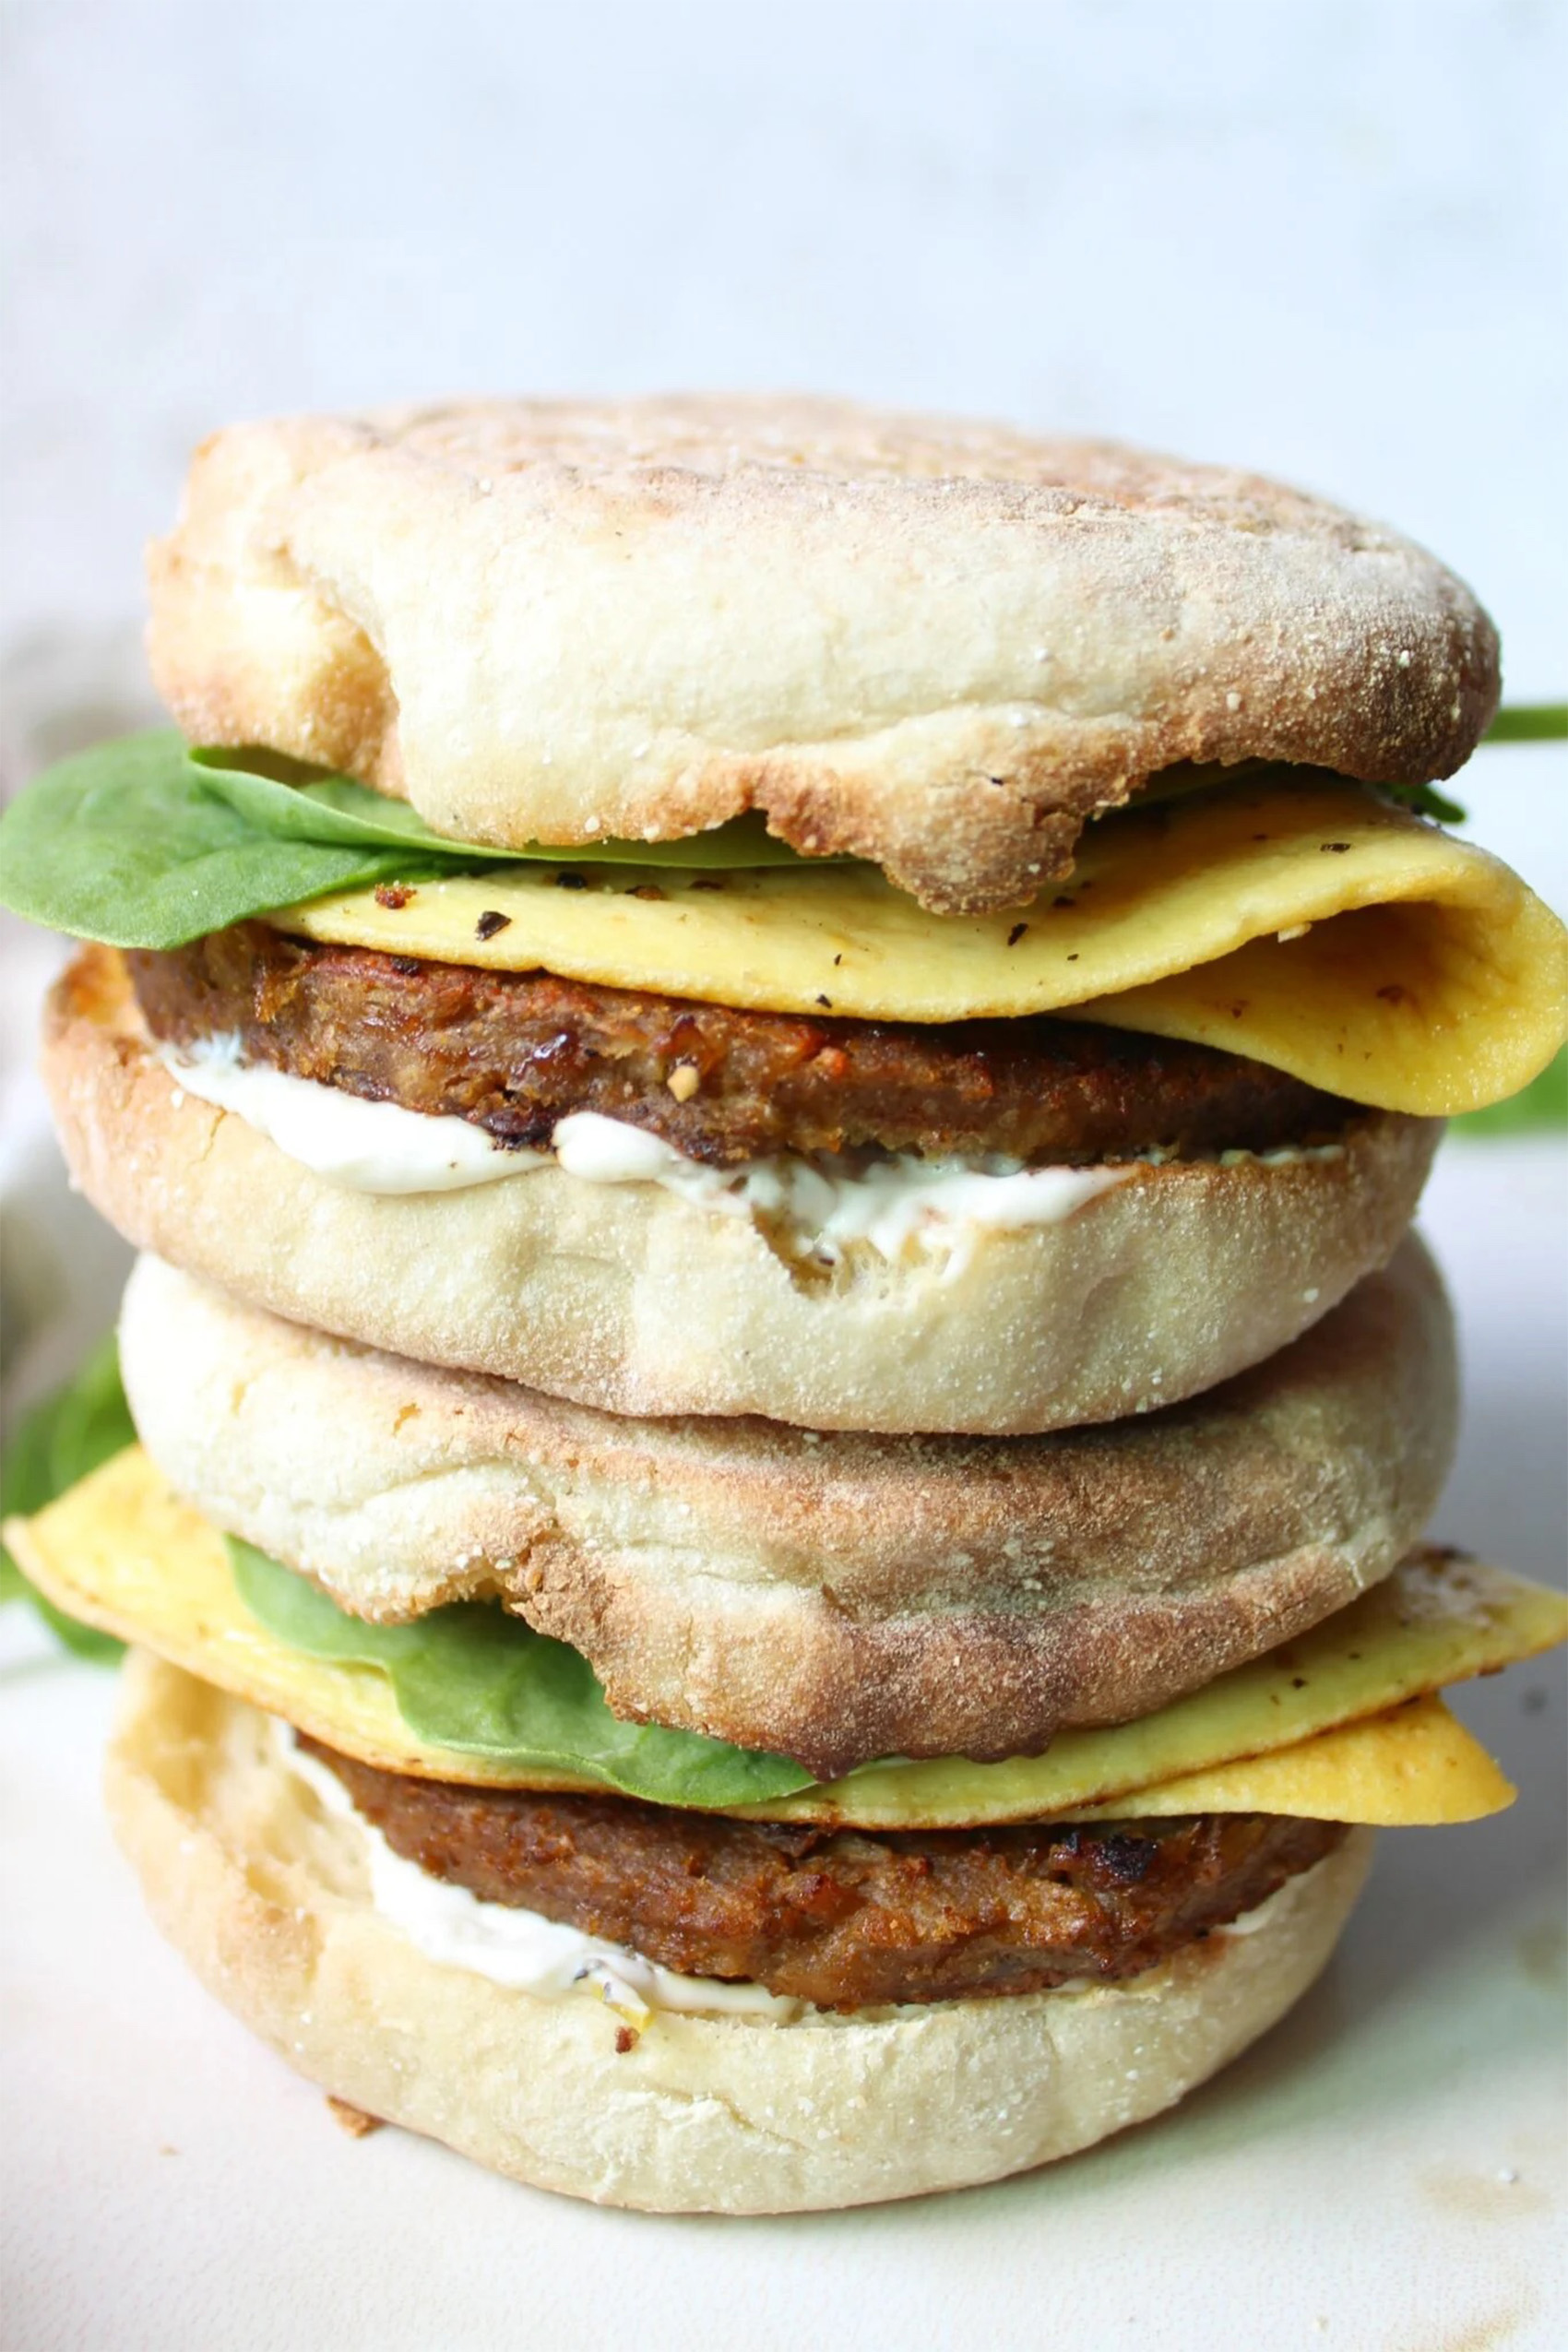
(941, 645)
(831, 1598)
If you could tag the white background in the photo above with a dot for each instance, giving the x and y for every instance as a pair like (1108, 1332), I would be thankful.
(1324, 237)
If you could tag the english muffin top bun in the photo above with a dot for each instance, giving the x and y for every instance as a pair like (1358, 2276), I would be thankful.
(833, 1598)
(939, 646)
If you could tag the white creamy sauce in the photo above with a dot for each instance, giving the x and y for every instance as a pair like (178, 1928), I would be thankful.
(369, 1146)
(886, 1204)
(515, 1948)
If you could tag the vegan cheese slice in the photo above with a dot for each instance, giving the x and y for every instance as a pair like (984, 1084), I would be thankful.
(1324, 1726)
(1307, 923)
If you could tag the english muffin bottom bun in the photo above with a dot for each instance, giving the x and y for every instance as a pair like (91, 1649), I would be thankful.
(833, 1598)
(268, 1895)
(1154, 1281)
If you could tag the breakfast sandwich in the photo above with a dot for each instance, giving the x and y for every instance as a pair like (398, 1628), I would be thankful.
(772, 1064)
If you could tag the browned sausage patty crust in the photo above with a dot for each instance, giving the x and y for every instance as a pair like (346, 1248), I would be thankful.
(845, 1919)
(515, 1052)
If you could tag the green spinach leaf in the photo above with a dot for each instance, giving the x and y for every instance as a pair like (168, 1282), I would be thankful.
(145, 843)
(130, 844)
(284, 797)
(1543, 1104)
(1529, 723)
(58, 1443)
(472, 1678)
(1425, 799)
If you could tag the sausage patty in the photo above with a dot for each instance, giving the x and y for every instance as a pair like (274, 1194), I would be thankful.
(515, 1052)
(845, 1919)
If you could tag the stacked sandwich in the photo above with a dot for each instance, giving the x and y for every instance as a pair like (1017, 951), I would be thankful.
(774, 1063)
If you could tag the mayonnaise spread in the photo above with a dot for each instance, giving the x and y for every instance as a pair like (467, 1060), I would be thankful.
(886, 1201)
(369, 1146)
(517, 1948)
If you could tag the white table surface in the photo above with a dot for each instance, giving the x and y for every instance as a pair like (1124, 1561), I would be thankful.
(1385, 2170)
